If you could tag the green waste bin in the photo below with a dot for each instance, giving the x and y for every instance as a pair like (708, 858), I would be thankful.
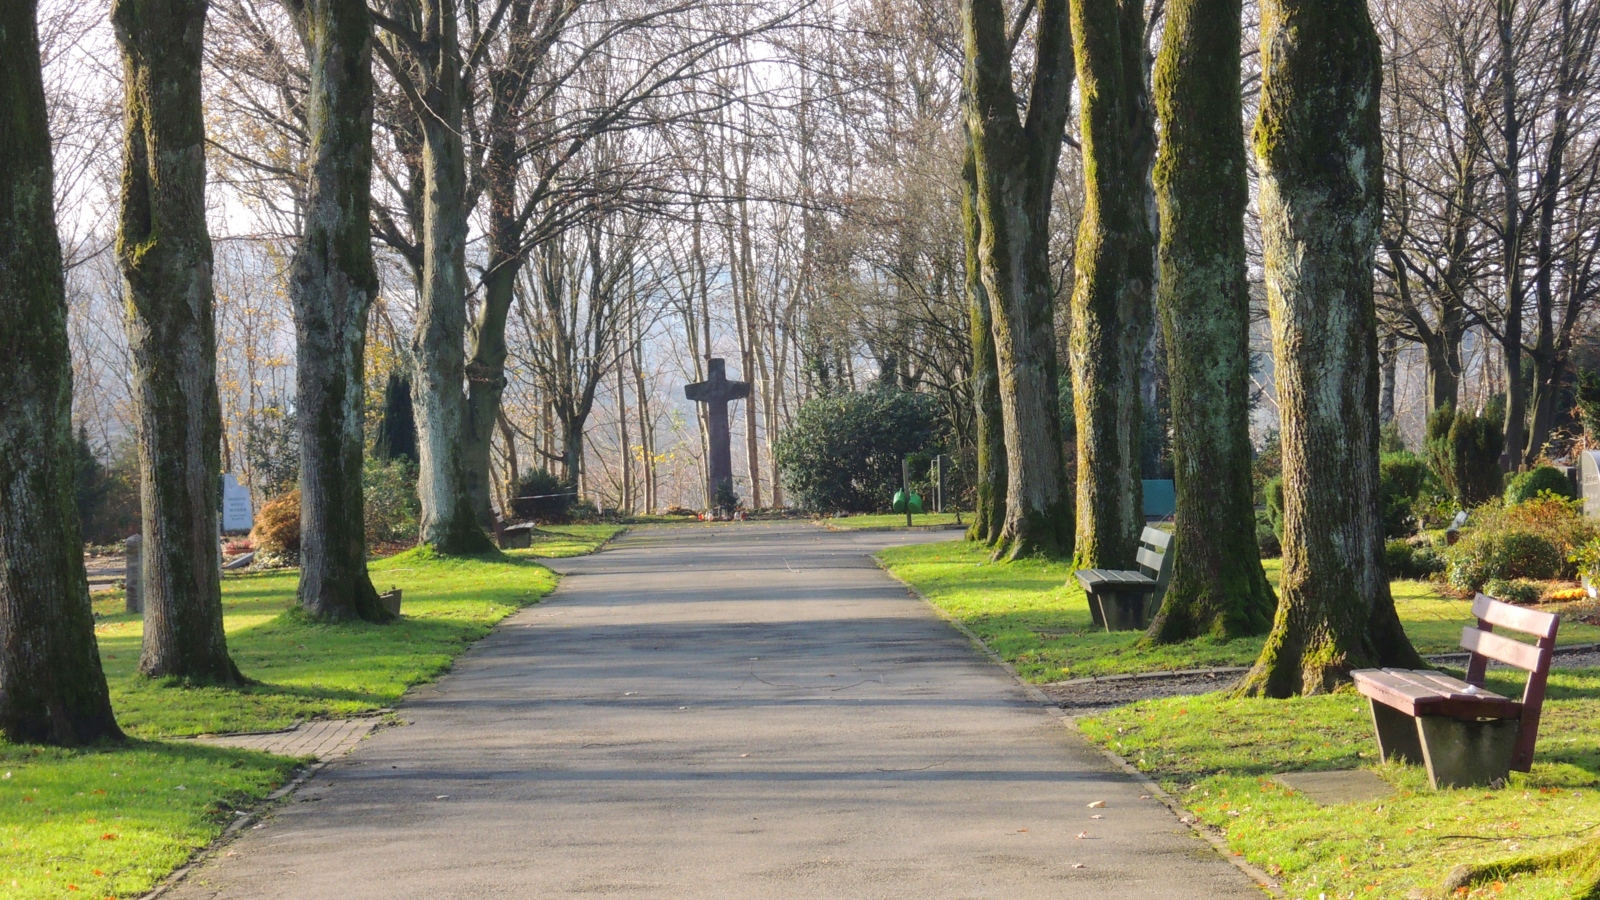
(900, 503)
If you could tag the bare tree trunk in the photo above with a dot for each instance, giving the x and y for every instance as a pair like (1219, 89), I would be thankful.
(988, 518)
(486, 381)
(1320, 148)
(647, 441)
(52, 689)
(1111, 300)
(164, 251)
(1388, 369)
(623, 441)
(1511, 238)
(1550, 351)
(333, 283)
(1218, 587)
(1015, 161)
(449, 523)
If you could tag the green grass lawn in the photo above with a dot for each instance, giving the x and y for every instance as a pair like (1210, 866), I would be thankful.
(1217, 756)
(112, 821)
(1034, 615)
(559, 541)
(892, 520)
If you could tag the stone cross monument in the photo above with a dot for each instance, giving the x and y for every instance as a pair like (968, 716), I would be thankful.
(715, 392)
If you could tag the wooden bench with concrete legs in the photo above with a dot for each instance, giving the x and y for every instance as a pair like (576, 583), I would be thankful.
(1466, 735)
(1126, 600)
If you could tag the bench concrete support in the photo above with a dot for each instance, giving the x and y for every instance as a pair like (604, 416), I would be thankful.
(1122, 610)
(1398, 738)
(1461, 753)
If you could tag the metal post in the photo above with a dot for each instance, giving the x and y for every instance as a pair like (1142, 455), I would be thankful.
(905, 486)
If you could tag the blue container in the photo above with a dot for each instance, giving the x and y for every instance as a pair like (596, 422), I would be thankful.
(1160, 498)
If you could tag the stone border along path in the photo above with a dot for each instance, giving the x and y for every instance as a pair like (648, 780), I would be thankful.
(722, 711)
(321, 739)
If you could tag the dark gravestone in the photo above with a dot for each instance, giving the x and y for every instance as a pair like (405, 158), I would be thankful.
(716, 392)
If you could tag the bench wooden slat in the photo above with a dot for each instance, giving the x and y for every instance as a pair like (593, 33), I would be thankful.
(1517, 618)
(1413, 699)
(1438, 682)
(1156, 538)
(1110, 586)
(1150, 559)
(1430, 678)
(1502, 649)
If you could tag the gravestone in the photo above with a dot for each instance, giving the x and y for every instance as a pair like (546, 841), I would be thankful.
(133, 574)
(1589, 482)
(237, 514)
(716, 392)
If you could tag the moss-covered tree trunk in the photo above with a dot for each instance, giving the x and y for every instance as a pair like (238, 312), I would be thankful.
(52, 689)
(333, 283)
(1015, 163)
(1218, 586)
(1320, 150)
(164, 252)
(1112, 302)
(988, 518)
(449, 524)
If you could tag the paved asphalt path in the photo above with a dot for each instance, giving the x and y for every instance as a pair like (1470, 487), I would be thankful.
(722, 712)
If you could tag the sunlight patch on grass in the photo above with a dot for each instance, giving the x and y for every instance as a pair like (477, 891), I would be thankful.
(1034, 614)
(1217, 756)
(112, 822)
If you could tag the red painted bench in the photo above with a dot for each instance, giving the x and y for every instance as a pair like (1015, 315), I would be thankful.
(1464, 733)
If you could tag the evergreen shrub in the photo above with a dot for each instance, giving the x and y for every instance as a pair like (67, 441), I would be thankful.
(1464, 451)
(1525, 486)
(1536, 539)
(543, 497)
(843, 451)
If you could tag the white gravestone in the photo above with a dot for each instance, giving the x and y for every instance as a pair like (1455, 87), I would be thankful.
(237, 513)
(1589, 482)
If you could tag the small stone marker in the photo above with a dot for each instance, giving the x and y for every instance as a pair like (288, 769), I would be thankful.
(716, 392)
(133, 573)
(1331, 788)
(237, 513)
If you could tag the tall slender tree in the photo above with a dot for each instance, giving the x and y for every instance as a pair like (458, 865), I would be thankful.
(51, 686)
(1015, 160)
(333, 283)
(164, 252)
(426, 63)
(1218, 586)
(1321, 153)
(1112, 303)
(988, 518)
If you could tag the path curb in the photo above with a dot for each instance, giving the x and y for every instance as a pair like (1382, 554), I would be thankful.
(948, 526)
(303, 774)
(1261, 879)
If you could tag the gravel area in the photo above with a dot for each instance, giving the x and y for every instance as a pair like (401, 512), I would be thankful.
(1086, 696)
